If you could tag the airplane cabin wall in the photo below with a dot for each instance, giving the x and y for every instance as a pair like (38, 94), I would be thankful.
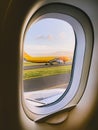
(12, 117)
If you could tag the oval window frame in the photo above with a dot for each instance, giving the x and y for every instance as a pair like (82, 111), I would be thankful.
(84, 32)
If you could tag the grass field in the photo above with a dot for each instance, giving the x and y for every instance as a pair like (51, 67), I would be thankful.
(42, 72)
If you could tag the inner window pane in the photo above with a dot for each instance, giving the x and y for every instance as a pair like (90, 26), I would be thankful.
(48, 55)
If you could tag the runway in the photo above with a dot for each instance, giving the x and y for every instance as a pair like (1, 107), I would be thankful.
(46, 82)
(43, 66)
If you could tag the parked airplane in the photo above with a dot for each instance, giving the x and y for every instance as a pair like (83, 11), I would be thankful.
(46, 59)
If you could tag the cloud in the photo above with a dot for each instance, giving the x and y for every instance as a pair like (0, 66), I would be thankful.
(44, 37)
(40, 37)
(62, 35)
(49, 37)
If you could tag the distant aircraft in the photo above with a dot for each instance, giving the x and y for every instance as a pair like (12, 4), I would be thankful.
(46, 59)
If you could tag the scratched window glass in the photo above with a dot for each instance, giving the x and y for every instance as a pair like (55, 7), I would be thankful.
(48, 52)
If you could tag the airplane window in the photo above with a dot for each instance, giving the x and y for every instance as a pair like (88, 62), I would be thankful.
(49, 46)
(57, 48)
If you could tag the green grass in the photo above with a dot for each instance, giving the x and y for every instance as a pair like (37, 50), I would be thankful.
(42, 72)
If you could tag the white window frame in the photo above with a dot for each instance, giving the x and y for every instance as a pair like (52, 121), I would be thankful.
(81, 62)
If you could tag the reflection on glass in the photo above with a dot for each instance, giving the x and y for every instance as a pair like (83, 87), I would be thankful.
(48, 54)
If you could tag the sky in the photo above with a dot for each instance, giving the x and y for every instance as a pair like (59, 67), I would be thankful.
(49, 36)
